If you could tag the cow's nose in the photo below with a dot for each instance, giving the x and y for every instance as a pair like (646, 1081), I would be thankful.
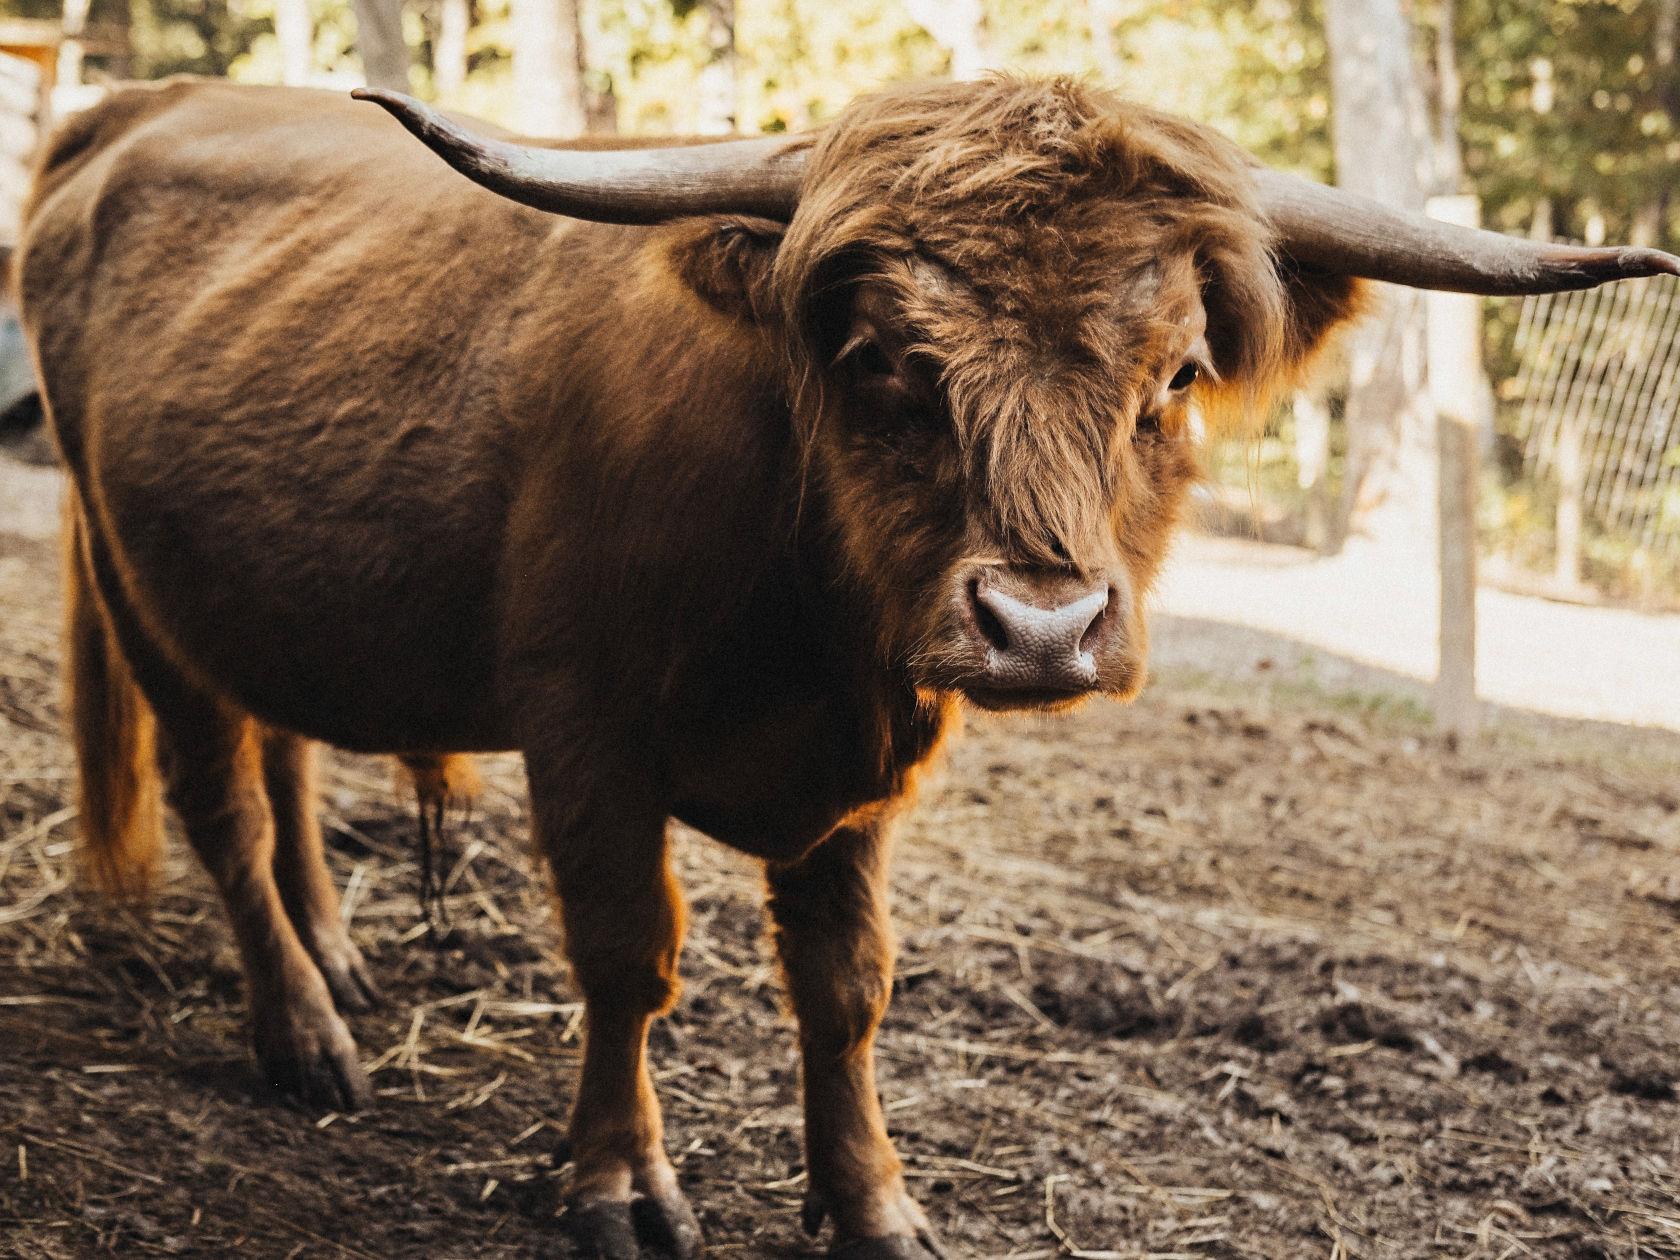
(1039, 636)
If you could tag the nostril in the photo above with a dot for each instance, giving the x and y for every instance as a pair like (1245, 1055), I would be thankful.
(991, 628)
(1094, 632)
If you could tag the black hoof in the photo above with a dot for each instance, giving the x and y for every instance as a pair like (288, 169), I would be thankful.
(329, 1081)
(316, 1065)
(668, 1225)
(611, 1229)
(603, 1230)
(352, 988)
(345, 970)
(892, 1247)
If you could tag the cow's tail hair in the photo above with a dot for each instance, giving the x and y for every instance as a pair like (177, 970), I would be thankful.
(119, 798)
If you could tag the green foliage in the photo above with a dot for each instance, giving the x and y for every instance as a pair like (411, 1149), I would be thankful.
(1568, 106)
(1256, 71)
(1563, 99)
(192, 36)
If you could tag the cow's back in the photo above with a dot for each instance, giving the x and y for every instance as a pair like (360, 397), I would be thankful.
(270, 330)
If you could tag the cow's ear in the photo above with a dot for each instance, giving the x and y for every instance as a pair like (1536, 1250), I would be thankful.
(1267, 321)
(1318, 303)
(727, 262)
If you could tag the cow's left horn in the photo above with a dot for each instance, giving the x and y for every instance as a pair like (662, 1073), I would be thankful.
(1329, 229)
(645, 185)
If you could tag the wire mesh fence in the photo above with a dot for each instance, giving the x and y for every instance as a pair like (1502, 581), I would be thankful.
(1593, 410)
(1581, 488)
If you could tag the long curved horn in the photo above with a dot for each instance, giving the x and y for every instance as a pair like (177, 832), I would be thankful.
(1328, 229)
(645, 185)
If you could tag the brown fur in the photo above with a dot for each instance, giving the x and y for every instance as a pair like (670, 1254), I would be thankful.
(441, 782)
(367, 455)
(118, 801)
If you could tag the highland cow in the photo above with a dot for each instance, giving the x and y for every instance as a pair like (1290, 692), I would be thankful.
(713, 477)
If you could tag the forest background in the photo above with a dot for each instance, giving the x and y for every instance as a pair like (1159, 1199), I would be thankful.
(1567, 112)
(1561, 117)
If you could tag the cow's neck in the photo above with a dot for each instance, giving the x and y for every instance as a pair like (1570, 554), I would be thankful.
(802, 727)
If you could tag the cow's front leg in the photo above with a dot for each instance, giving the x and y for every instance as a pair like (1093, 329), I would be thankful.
(836, 942)
(622, 914)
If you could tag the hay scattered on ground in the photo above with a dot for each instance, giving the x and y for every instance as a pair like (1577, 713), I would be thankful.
(1228, 974)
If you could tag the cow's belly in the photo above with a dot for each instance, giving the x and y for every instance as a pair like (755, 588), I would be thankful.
(343, 590)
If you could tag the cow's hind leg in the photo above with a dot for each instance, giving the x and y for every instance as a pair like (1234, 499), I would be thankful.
(211, 757)
(836, 943)
(622, 914)
(213, 769)
(300, 871)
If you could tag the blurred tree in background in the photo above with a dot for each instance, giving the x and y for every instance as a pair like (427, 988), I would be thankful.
(1569, 114)
(1563, 116)
(1566, 112)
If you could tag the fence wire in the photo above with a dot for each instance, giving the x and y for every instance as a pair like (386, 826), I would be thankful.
(1593, 406)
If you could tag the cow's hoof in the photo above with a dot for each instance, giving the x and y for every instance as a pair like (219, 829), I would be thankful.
(617, 1229)
(668, 1224)
(603, 1229)
(348, 979)
(340, 963)
(313, 1058)
(912, 1239)
(893, 1247)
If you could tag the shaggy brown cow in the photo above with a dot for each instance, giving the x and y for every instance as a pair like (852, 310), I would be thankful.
(715, 517)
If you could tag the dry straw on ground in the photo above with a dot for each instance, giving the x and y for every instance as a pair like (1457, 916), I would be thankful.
(1237, 972)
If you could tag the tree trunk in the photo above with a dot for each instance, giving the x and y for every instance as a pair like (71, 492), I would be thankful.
(1662, 48)
(957, 26)
(73, 23)
(719, 102)
(1457, 388)
(1651, 219)
(1312, 466)
(379, 40)
(1381, 132)
(449, 52)
(294, 28)
(1102, 17)
(548, 68)
(1449, 95)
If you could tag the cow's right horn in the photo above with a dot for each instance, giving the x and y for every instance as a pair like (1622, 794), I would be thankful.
(641, 185)
(1330, 229)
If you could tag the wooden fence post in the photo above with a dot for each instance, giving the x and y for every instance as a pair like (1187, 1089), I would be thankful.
(22, 96)
(1312, 466)
(1571, 475)
(1455, 374)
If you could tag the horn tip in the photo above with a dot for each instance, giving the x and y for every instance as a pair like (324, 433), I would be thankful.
(405, 109)
(383, 96)
(1586, 267)
(1650, 262)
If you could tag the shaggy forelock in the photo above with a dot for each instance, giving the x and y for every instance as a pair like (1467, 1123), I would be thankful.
(1053, 207)
(1034, 190)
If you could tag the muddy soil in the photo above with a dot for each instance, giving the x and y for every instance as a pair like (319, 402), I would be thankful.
(1244, 970)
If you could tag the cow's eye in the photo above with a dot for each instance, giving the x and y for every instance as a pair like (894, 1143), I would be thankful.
(1185, 377)
(871, 360)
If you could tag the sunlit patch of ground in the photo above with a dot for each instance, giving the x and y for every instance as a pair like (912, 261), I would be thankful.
(1353, 623)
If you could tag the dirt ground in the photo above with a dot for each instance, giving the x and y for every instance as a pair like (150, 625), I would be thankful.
(1252, 968)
